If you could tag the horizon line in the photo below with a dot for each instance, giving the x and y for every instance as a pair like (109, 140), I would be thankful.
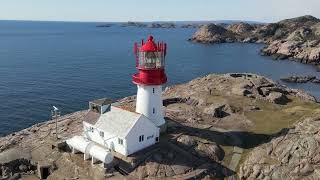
(89, 21)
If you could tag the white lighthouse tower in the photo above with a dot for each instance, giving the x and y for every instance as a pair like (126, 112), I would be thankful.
(150, 62)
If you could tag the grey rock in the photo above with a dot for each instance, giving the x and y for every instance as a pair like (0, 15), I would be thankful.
(179, 169)
(292, 156)
(299, 79)
(277, 98)
(212, 151)
(186, 140)
(218, 110)
(212, 33)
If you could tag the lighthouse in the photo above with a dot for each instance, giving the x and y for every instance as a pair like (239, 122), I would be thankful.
(109, 127)
(150, 63)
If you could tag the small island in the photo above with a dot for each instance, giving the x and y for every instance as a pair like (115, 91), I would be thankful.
(297, 38)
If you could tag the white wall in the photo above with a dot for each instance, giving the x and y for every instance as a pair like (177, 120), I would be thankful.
(109, 140)
(142, 127)
(147, 100)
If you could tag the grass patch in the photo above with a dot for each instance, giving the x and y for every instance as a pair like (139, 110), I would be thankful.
(272, 118)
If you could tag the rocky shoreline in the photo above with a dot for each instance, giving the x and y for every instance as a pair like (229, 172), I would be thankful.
(301, 79)
(297, 38)
(216, 124)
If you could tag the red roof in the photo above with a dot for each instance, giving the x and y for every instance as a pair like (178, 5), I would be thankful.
(150, 46)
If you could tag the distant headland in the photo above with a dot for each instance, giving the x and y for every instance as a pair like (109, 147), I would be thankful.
(296, 38)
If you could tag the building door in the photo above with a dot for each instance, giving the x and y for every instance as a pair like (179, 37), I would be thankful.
(112, 146)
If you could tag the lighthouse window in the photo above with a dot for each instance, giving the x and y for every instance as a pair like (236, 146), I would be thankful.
(153, 90)
(153, 110)
(141, 138)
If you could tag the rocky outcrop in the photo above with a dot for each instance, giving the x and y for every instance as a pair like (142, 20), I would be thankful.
(186, 140)
(211, 151)
(301, 79)
(297, 38)
(218, 110)
(295, 154)
(212, 33)
(277, 98)
(241, 28)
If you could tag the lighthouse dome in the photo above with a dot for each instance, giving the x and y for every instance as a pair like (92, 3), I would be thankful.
(149, 46)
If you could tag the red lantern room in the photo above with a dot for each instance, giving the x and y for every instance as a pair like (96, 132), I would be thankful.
(150, 62)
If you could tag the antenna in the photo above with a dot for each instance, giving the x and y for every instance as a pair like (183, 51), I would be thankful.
(55, 114)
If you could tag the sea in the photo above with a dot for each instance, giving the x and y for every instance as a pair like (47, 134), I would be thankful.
(67, 64)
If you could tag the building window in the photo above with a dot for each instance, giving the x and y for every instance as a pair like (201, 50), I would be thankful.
(153, 90)
(101, 133)
(157, 139)
(150, 137)
(90, 128)
(141, 138)
(120, 141)
(153, 110)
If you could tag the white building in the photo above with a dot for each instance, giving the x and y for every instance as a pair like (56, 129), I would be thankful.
(117, 129)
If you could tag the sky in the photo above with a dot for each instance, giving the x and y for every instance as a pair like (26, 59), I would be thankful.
(160, 10)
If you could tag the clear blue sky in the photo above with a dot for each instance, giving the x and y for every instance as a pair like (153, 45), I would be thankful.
(159, 10)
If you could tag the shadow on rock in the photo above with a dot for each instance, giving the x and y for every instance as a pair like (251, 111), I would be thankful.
(241, 139)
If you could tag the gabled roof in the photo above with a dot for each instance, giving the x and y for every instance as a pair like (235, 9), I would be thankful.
(117, 121)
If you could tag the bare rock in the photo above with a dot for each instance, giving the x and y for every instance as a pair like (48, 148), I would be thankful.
(267, 30)
(218, 110)
(152, 168)
(291, 156)
(212, 151)
(277, 98)
(298, 79)
(180, 168)
(300, 34)
(186, 140)
(141, 172)
(212, 33)
(241, 28)
(241, 90)
(314, 55)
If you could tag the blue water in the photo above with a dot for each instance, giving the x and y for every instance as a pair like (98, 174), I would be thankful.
(67, 64)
